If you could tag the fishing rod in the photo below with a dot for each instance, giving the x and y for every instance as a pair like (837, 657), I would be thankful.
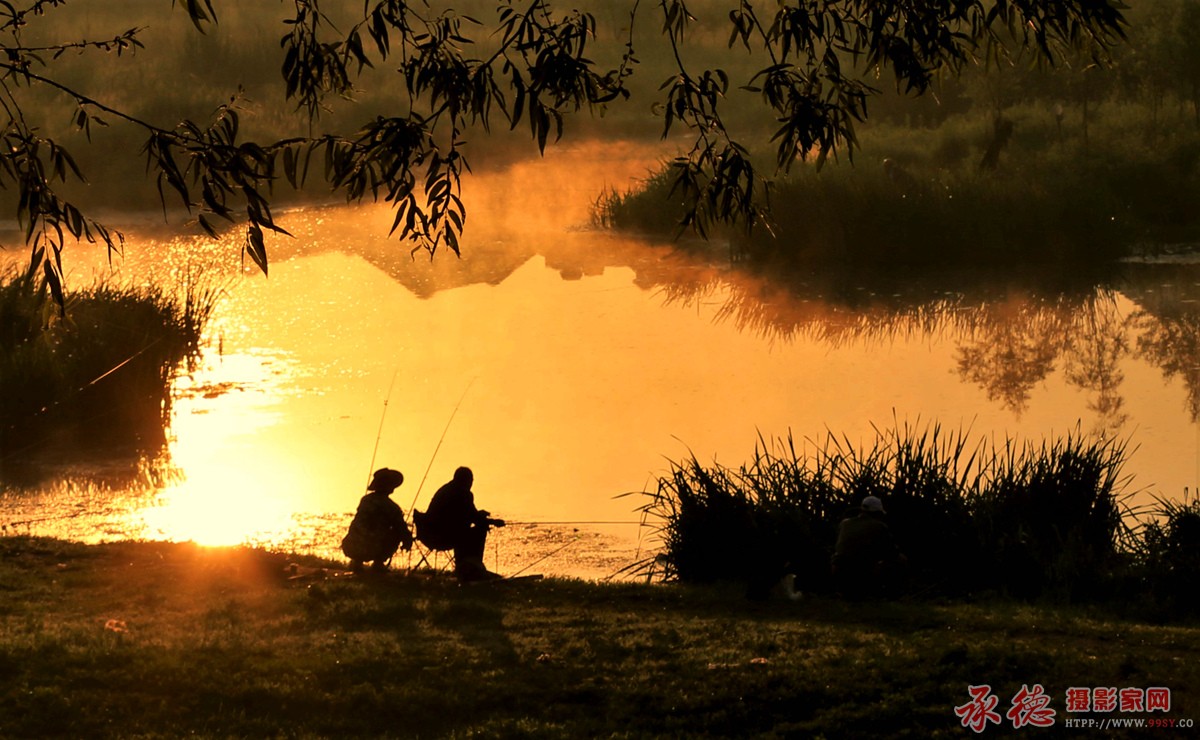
(552, 553)
(433, 457)
(70, 395)
(26, 522)
(382, 416)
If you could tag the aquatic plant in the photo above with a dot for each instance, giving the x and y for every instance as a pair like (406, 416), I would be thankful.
(649, 208)
(970, 516)
(105, 364)
(1050, 518)
(1168, 553)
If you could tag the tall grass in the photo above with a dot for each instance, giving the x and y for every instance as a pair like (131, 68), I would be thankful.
(97, 376)
(1050, 519)
(1169, 554)
(971, 516)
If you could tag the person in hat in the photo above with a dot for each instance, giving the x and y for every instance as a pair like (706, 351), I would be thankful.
(379, 527)
(453, 523)
(866, 560)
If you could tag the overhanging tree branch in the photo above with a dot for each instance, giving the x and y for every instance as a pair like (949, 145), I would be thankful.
(533, 66)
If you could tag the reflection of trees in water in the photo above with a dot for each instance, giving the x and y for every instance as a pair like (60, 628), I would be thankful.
(1009, 339)
(1173, 344)
(813, 312)
(1095, 347)
(1168, 325)
(1013, 347)
(1010, 335)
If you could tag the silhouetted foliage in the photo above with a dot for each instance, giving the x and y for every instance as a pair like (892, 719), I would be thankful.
(98, 380)
(971, 517)
(528, 65)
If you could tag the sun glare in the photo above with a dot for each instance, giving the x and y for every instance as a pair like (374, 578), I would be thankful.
(216, 514)
(225, 500)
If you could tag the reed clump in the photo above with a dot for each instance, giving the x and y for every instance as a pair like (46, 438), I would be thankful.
(1168, 552)
(1024, 520)
(95, 375)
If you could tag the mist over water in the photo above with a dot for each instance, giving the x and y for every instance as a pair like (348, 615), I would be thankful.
(566, 365)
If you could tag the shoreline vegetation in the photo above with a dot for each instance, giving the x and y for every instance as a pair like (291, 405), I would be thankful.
(917, 198)
(165, 640)
(95, 377)
(1048, 521)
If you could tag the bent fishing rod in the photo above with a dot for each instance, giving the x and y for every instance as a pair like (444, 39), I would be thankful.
(547, 556)
(70, 394)
(442, 438)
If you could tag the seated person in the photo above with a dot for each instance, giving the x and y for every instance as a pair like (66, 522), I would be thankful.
(453, 523)
(866, 560)
(379, 527)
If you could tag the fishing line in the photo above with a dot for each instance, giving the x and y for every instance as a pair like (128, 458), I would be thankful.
(70, 395)
(39, 520)
(433, 457)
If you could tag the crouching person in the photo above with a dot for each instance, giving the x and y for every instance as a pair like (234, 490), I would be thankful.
(379, 527)
(866, 561)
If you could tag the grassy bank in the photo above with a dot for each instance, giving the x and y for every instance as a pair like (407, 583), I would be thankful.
(146, 639)
(104, 363)
(1049, 199)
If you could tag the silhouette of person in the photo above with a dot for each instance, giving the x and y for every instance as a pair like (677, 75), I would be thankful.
(379, 527)
(866, 560)
(453, 523)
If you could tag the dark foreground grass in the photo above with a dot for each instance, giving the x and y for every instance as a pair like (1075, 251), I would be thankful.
(167, 640)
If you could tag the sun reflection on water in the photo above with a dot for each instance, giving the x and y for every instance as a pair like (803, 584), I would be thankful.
(219, 507)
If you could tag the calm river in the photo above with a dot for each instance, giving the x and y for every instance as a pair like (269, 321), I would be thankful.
(567, 366)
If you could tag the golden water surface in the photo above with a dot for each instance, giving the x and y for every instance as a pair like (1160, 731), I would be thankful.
(566, 366)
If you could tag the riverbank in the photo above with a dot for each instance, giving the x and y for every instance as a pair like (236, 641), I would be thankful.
(920, 200)
(153, 639)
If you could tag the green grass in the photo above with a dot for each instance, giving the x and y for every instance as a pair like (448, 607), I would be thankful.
(167, 640)
(98, 375)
